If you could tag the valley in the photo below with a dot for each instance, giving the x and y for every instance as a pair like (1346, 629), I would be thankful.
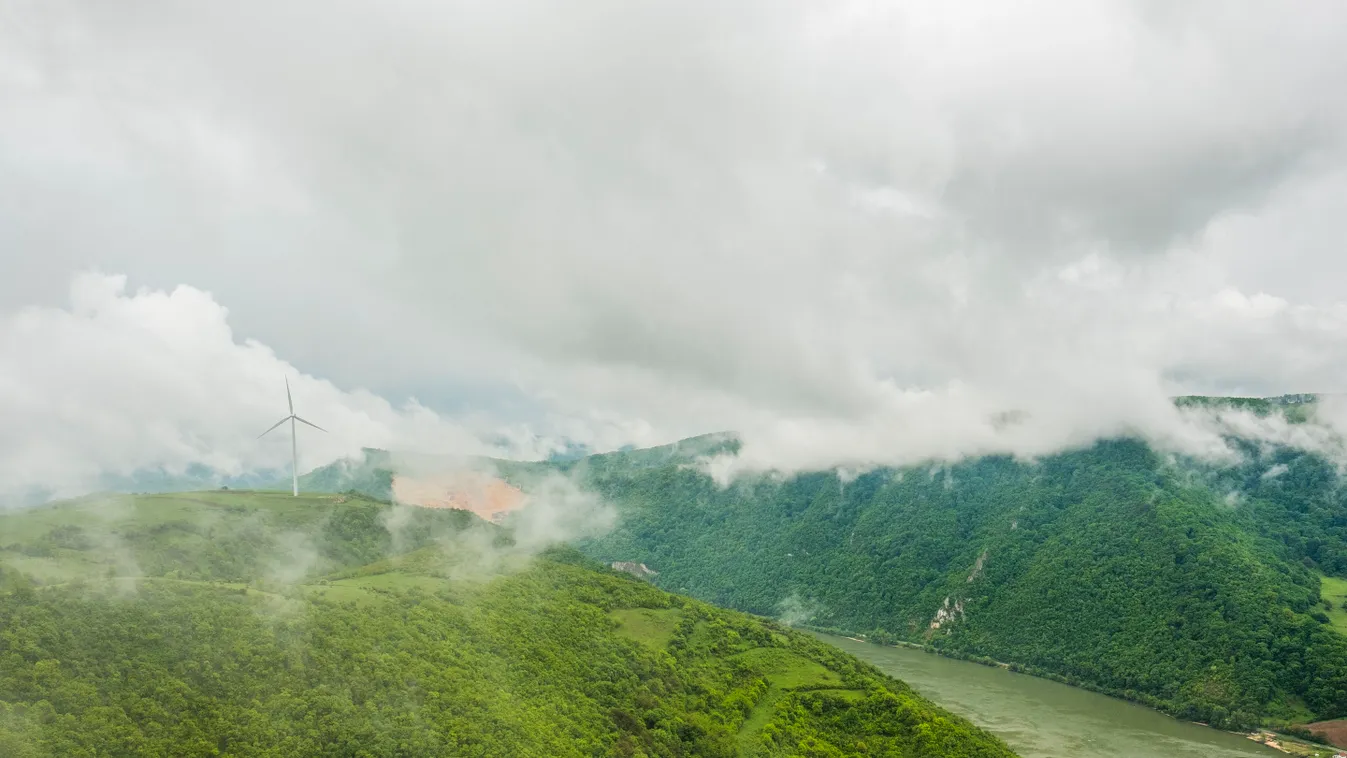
(1111, 567)
(524, 379)
(1214, 593)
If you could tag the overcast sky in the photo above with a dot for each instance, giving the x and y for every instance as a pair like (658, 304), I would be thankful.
(853, 231)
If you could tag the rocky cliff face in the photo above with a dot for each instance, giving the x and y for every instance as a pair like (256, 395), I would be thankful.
(639, 570)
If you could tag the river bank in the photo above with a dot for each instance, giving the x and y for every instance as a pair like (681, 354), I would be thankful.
(1040, 718)
(1266, 738)
(1276, 740)
(1291, 745)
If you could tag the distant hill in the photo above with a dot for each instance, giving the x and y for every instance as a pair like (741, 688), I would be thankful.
(431, 479)
(195, 476)
(681, 452)
(373, 472)
(1297, 408)
(258, 624)
(151, 479)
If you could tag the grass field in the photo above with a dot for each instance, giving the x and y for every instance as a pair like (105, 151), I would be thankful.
(334, 547)
(785, 672)
(126, 538)
(392, 581)
(650, 626)
(1334, 590)
(141, 511)
(789, 671)
(224, 535)
(247, 540)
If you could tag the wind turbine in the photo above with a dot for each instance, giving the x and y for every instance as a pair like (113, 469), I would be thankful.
(294, 444)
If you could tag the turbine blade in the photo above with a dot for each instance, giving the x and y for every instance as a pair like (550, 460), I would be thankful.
(278, 423)
(288, 400)
(310, 423)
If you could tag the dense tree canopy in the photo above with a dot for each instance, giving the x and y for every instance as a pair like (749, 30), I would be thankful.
(1110, 567)
(393, 636)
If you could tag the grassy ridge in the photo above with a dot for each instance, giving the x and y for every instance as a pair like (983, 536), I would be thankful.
(398, 632)
(217, 535)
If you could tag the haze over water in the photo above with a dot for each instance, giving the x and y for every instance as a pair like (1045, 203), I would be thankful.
(1039, 718)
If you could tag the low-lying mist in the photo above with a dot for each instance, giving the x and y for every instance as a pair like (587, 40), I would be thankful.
(272, 541)
(1216, 432)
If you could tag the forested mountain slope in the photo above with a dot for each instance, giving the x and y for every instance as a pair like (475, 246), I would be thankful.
(1191, 588)
(258, 624)
(1187, 585)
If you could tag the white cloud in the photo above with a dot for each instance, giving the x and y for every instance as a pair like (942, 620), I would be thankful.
(855, 232)
(122, 380)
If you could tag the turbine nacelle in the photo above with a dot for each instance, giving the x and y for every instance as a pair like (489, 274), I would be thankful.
(287, 418)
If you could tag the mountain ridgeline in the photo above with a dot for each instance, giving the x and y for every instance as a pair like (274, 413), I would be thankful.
(257, 624)
(1185, 585)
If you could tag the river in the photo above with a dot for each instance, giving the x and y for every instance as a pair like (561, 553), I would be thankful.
(1039, 718)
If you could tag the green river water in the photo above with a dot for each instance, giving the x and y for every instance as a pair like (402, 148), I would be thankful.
(1039, 718)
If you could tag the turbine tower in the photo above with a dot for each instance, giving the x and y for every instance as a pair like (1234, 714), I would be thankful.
(294, 444)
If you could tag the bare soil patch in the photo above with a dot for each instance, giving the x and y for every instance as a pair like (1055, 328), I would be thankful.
(1334, 731)
(484, 495)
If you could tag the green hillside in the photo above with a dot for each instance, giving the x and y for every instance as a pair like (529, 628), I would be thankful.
(1188, 586)
(1111, 567)
(240, 623)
